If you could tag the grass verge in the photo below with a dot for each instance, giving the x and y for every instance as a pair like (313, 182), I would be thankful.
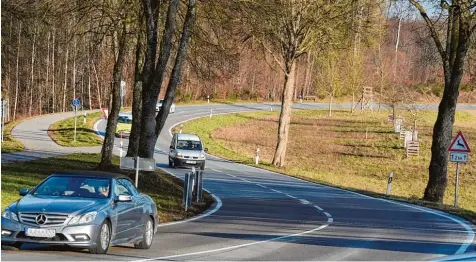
(348, 151)
(9, 143)
(62, 132)
(163, 188)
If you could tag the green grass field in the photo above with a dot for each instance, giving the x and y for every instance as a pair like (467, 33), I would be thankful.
(62, 132)
(9, 143)
(164, 189)
(351, 151)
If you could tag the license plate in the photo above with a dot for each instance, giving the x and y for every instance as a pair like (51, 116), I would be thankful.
(191, 162)
(40, 232)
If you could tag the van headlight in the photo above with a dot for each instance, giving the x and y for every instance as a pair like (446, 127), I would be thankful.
(83, 219)
(179, 155)
(9, 215)
(202, 156)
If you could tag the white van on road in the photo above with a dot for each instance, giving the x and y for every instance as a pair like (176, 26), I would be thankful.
(187, 150)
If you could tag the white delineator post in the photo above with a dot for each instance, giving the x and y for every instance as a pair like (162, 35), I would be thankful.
(208, 99)
(181, 127)
(389, 183)
(211, 113)
(121, 143)
(84, 119)
(257, 156)
(137, 171)
(75, 116)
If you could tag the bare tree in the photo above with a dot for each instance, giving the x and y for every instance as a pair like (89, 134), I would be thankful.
(453, 47)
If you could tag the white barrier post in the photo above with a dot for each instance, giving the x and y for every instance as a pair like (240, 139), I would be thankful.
(208, 99)
(257, 156)
(121, 145)
(181, 127)
(389, 183)
(211, 113)
(137, 172)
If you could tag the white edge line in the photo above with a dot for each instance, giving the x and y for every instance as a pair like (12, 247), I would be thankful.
(466, 225)
(237, 246)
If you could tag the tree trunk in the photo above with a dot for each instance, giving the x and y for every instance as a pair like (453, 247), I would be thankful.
(285, 115)
(177, 70)
(65, 77)
(153, 79)
(32, 73)
(89, 81)
(73, 81)
(134, 137)
(53, 72)
(98, 88)
(17, 75)
(108, 145)
(47, 68)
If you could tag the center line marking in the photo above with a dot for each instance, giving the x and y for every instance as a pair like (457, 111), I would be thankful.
(327, 214)
(304, 201)
(290, 196)
(277, 191)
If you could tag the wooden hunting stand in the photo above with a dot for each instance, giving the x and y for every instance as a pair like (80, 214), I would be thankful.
(366, 99)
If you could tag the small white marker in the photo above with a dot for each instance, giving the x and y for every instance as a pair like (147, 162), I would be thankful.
(330, 220)
(304, 201)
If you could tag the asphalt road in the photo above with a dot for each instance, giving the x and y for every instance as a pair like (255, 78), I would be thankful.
(262, 215)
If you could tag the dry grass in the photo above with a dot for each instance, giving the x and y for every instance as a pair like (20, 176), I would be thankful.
(10, 144)
(335, 150)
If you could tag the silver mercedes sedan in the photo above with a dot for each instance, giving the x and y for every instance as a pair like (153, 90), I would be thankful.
(84, 209)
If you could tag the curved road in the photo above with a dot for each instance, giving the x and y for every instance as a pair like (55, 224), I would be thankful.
(268, 216)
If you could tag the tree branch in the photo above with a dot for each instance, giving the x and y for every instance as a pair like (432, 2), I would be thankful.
(271, 53)
(431, 26)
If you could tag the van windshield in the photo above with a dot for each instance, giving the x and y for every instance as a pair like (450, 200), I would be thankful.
(189, 145)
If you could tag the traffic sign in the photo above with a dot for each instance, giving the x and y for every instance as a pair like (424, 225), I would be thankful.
(458, 157)
(459, 144)
(76, 102)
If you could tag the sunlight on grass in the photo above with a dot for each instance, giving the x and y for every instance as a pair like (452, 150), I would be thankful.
(62, 132)
(9, 143)
(352, 151)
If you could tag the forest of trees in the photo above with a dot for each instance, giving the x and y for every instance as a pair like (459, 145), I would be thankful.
(274, 50)
(53, 52)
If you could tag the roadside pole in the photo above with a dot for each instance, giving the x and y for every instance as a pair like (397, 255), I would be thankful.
(76, 103)
(456, 184)
(459, 150)
(389, 183)
(137, 171)
(257, 156)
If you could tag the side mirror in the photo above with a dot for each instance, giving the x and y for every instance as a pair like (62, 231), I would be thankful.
(206, 149)
(124, 198)
(24, 191)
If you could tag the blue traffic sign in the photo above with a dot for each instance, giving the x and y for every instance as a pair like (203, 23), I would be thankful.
(76, 102)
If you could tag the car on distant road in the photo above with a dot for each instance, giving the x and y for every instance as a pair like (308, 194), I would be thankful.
(159, 106)
(82, 209)
(124, 126)
(187, 150)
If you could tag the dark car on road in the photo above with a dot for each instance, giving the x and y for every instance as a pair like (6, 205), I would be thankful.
(84, 209)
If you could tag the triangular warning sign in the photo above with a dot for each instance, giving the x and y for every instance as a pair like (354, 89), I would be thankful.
(459, 144)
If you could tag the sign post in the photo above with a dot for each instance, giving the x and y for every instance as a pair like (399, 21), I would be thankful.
(459, 150)
(75, 105)
(123, 92)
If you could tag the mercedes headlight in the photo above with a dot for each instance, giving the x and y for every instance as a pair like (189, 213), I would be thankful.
(83, 219)
(9, 215)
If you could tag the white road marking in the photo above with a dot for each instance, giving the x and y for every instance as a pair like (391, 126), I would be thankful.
(261, 186)
(216, 170)
(291, 196)
(237, 246)
(318, 208)
(330, 220)
(327, 214)
(277, 191)
(305, 202)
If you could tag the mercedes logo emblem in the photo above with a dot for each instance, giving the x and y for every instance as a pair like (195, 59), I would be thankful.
(41, 219)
